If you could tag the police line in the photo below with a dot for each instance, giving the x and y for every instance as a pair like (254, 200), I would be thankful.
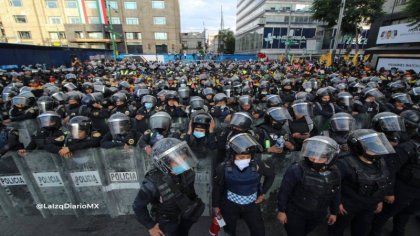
(110, 178)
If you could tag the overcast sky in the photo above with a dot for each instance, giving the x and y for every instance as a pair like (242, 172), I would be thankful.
(195, 12)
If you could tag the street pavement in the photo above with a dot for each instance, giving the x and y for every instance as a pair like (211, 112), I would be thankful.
(127, 226)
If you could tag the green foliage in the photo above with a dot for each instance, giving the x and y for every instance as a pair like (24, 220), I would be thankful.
(227, 44)
(355, 13)
(412, 10)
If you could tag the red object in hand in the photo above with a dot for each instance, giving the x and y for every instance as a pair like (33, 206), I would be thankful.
(214, 227)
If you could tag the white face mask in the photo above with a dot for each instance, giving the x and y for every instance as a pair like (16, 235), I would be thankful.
(308, 90)
(242, 164)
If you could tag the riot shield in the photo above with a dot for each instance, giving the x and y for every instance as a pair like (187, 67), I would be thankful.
(203, 175)
(85, 171)
(15, 196)
(26, 129)
(124, 170)
(179, 124)
(51, 185)
(280, 163)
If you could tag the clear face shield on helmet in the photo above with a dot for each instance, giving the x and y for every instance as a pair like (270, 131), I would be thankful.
(79, 127)
(119, 124)
(45, 106)
(175, 160)
(392, 123)
(19, 101)
(244, 143)
(160, 121)
(279, 114)
(303, 109)
(196, 103)
(320, 149)
(342, 124)
(402, 97)
(49, 120)
(346, 100)
(376, 144)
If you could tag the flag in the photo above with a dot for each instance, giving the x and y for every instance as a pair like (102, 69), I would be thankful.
(346, 57)
(323, 58)
(329, 59)
(366, 57)
(355, 58)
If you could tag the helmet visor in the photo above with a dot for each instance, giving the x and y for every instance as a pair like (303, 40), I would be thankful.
(178, 159)
(244, 144)
(342, 123)
(376, 144)
(392, 123)
(319, 149)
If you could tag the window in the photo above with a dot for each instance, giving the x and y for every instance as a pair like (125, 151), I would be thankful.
(130, 5)
(94, 20)
(71, 4)
(51, 3)
(158, 4)
(132, 21)
(159, 20)
(57, 35)
(20, 19)
(161, 36)
(55, 20)
(91, 4)
(132, 35)
(96, 35)
(74, 20)
(79, 34)
(25, 35)
(15, 3)
(112, 4)
(115, 20)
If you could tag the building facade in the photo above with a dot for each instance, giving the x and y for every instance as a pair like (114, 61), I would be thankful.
(132, 26)
(274, 27)
(394, 41)
(193, 42)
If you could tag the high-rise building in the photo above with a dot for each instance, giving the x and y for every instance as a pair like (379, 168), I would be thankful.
(274, 27)
(139, 26)
(394, 42)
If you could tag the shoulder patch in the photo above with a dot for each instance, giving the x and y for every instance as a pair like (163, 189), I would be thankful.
(131, 141)
(60, 138)
(96, 134)
(127, 113)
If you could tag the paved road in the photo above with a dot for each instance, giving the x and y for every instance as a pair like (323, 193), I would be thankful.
(127, 226)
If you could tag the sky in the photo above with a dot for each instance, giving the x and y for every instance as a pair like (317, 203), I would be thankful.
(195, 12)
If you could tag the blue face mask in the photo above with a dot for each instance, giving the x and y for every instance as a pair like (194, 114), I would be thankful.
(181, 168)
(198, 134)
(148, 105)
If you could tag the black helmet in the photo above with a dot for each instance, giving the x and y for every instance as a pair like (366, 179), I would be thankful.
(401, 97)
(273, 100)
(148, 99)
(397, 86)
(323, 92)
(201, 120)
(196, 103)
(279, 115)
(160, 120)
(302, 108)
(244, 143)
(139, 93)
(73, 95)
(184, 92)
(69, 87)
(77, 124)
(369, 143)
(45, 103)
(374, 92)
(411, 121)
(119, 97)
(345, 99)
(171, 95)
(219, 97)
(49, 119)
(208, 91)
(87, 85)
(118, 124)
(20, 100)
(92, 98)
(342, 122)
(245, 100)
(390, 124)
(320, 148)
(241, 120)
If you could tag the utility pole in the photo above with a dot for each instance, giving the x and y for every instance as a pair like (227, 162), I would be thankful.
(111, 30)
(338, 30)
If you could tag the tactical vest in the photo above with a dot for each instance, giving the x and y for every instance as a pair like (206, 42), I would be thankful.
(242, 183)
(316, 190)
(169, 207)
(410, 172)
(374, 186)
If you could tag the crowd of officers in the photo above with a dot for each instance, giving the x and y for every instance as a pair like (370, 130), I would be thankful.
(356, 129)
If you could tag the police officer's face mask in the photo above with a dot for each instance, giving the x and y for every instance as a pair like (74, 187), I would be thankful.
(199, 134)
(148, 105)
(242, 163)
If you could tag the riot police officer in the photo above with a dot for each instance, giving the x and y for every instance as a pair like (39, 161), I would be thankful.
(220, 111)
(81, 136)
(49, 137)
(144, 112)
(302, 127)
(237, 190)
(366, 180)
(21, 110)
(120, 101)
(341, 124)
(172, 106)
(120, 133)
(97, 111)
(73, 106)
(169, 188)
(9, 140)
(310, 188)
(201, 132)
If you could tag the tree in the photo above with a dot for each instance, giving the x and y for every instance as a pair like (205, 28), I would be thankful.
(412, 10)
(226, 41)
(356, 12)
